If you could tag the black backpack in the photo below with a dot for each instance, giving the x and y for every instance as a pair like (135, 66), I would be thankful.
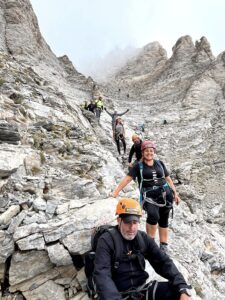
(118, 254)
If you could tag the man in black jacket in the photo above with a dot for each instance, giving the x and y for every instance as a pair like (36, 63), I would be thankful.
(113, 280)
(136, 148)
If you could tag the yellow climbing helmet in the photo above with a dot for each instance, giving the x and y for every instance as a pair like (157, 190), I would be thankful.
(128, 206)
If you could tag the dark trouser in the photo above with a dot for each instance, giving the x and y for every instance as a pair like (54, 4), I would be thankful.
(118, 144)
(163, 291)
(98, 113)
(156, 291)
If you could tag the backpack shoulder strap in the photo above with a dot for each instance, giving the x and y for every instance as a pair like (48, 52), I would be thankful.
(160, 165)
(140, 163)
(118, 245)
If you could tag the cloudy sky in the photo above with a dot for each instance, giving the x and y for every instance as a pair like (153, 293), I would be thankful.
(87, 30)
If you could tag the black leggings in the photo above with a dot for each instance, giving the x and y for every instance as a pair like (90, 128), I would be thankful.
(118, 144)
(157, 215)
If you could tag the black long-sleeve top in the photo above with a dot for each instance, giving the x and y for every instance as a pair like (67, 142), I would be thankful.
(136, 148)
(111, 282)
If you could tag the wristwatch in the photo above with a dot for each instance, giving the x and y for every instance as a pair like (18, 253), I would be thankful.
(185, 291)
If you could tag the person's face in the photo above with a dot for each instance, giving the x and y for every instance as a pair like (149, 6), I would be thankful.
(137, 141)
(128, 230)
(148, 154)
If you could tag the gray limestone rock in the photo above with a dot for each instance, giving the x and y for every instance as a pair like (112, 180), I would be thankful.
(10, 159)
(27, 265)
(58, 255)
(32, 242)
(84, 238)
(39, 204)
(9, 134)
(6, 245)
(52, 274)
(6, 217)
(150, 58)
(16, 221)
(49, 291)
(32, 217)
(50, 209)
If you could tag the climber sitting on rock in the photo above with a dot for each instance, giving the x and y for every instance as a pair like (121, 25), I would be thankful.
(126, 278)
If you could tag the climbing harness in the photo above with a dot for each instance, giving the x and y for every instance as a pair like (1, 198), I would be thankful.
(160, 192)
(141, 292)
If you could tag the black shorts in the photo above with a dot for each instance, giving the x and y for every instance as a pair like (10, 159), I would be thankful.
(157, 214)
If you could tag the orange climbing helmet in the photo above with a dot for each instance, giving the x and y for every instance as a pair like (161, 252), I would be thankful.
(148, 144)
(128, 206)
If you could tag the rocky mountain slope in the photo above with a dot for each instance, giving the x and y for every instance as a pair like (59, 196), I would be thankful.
(58, 165)
(180, 101)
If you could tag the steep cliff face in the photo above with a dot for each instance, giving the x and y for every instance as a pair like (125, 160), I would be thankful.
(22, 37)
(58, 165)
(53, 164)
(148, 60)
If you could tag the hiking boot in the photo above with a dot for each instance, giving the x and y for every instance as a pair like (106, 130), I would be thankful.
(164, 248)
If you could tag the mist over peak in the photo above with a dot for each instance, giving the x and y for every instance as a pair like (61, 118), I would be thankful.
(102, 68)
